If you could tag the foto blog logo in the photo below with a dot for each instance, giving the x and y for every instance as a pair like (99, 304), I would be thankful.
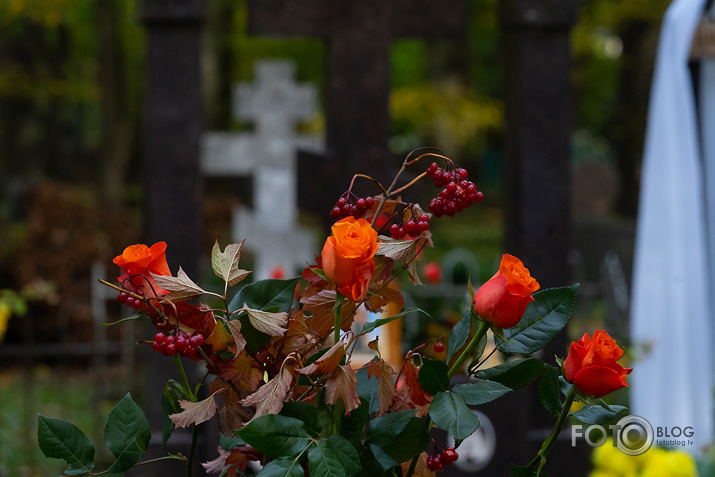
(632, 435)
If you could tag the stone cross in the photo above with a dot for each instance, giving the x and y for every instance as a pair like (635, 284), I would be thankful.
(275, 103)
(357, 73)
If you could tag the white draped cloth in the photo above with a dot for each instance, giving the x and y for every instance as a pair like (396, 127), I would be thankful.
(672, 384)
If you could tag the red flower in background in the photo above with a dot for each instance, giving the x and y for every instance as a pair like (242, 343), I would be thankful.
(591, 365)
(502, 300)
(138, 262)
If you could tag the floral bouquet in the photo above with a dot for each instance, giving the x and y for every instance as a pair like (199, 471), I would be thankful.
(279, 373)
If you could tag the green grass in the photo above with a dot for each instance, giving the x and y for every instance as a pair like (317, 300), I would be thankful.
(52, 392)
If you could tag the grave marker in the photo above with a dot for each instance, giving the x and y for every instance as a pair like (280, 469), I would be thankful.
(357, 76)
(275, 103)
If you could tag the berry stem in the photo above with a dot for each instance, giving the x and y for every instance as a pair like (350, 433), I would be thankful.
(184, 379)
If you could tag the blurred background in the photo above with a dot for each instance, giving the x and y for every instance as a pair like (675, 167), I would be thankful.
(74, 180)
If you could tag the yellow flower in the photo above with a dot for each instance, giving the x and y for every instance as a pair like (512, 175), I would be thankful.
(610, 461)
(673, 463)
(5, 314)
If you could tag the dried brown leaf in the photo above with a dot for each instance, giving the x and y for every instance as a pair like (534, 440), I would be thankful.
(180, 287)
(270, 397)
(328, 362)
(195, 412)
(242, 371)
(239, 342)
(342, 383)
(270, 323)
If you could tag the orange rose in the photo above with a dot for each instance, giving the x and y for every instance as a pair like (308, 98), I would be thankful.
(502, 300)
(348, 256)
(591, 365)
(138, 262)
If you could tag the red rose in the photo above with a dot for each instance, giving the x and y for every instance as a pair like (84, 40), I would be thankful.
(348, 257)
(502, 300)
(138, 262)
(591, 365)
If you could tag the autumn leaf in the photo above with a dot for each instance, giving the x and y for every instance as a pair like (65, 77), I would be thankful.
(221, 338)
(404, 252)
(421, 469)
(388, 208)
(225, 264)
(270, 323)
(231, 417)
(342, 383)
(195, 412)
(242, 372)
(386, 387)
(322, 308)
(417, 393)
(270, 397)
(218, 465)
(180, 287)
(298, 335)
(377, 300)
(239, 342)
(328, 362)
(190, 317)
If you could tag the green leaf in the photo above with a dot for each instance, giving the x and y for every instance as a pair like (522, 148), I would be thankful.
(353, 425)
(368, 389)
(480, 392)
(449, 412)
(385, 428)
(60, 439)
(276, 436)
(433, 375)
(267, 295)
(385, 460)
(229, 442)
(347, 454)
(598, 414)
(305, 412)
(324, 460)
(549, 390)
(396, 437)
(282, 467)
(369, 327)
(173, 392)
(514, 374)
(127, 434)
(543, 319)
(459, 334)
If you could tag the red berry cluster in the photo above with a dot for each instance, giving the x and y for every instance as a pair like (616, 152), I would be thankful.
(126, 299)
(457, 194)
(439, 461)
(412, 227)
(184, 344)
(345, 208)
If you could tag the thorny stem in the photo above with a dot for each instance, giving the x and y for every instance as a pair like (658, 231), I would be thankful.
(478, 335)
(558, 426)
